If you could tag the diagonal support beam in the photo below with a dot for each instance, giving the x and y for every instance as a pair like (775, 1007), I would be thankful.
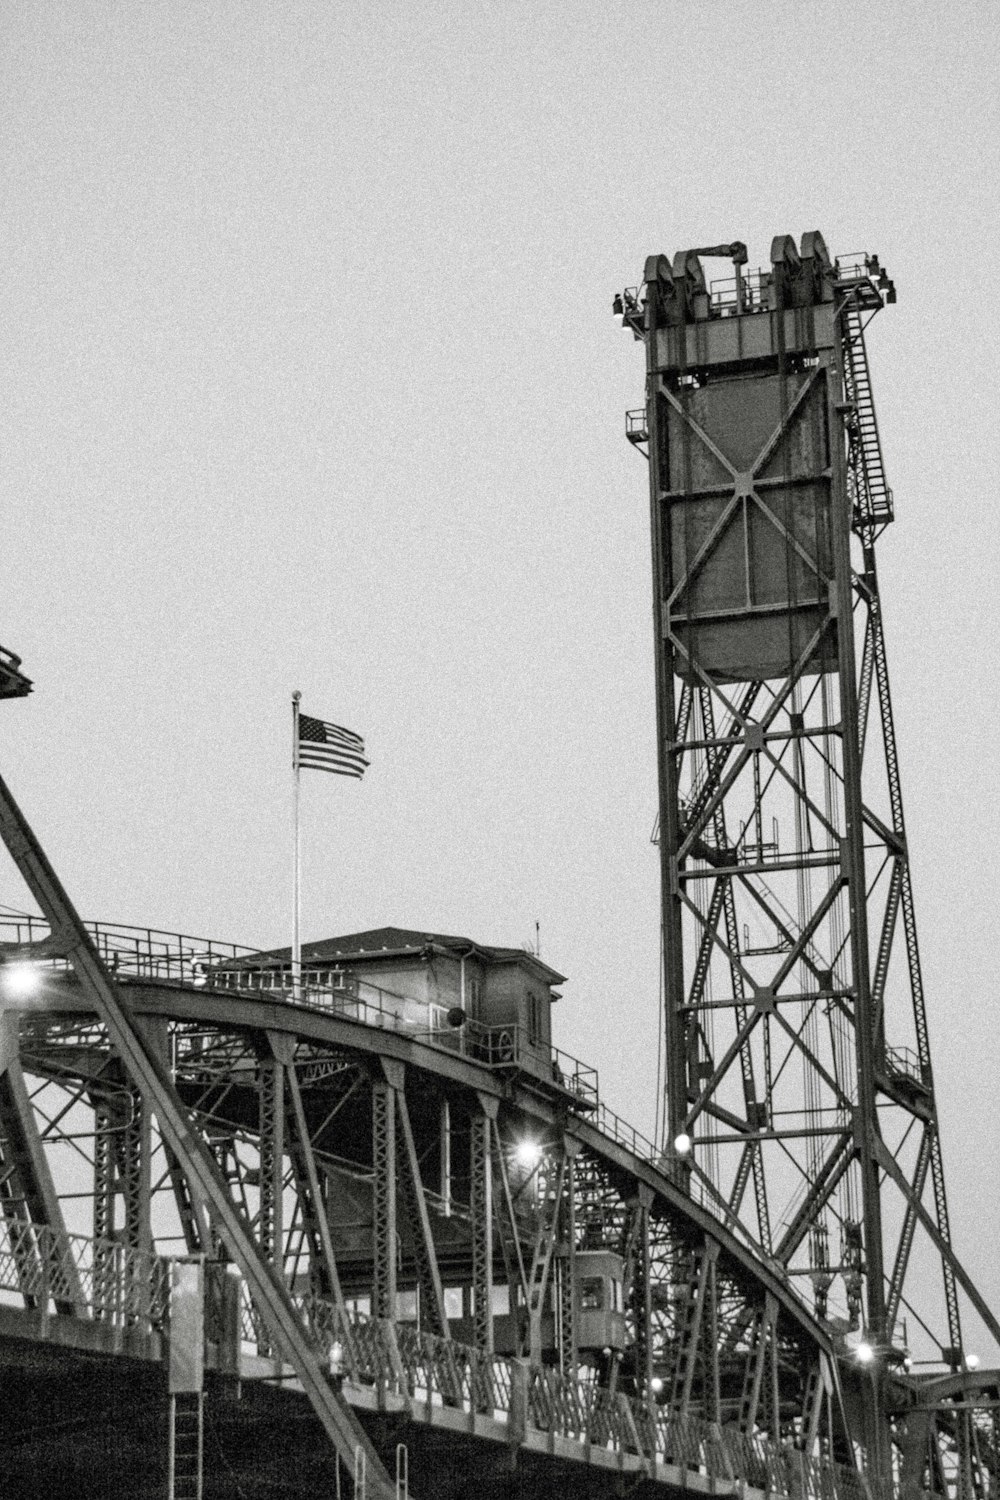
(888, 1164)
(301, 1146)
(823, 1184)
(415, 1203)
(149, 1074)
(20, 1132)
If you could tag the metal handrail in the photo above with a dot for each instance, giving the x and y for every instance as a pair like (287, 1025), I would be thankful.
(134, 952)
(118, 1285)
(434, 1371)
(129, 1288)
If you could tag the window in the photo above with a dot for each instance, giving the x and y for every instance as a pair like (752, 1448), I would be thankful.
(406, 1306)
(591, 1293)
(453, 1302)
(533, 1006)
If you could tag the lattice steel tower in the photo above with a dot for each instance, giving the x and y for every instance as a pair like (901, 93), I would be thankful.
(797, 1063)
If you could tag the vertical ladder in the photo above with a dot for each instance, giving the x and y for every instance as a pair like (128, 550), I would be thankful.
(186, 1446)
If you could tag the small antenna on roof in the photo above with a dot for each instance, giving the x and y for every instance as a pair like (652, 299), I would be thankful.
(538, 942)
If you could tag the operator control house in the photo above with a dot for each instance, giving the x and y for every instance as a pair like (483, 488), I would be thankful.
(427, 982)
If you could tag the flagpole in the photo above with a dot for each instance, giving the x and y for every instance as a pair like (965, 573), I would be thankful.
(297, 871)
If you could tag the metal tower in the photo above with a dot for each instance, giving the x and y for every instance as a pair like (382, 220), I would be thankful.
(799, 1087)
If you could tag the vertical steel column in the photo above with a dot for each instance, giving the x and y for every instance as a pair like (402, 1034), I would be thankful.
(272, 1159)
(384, 1235)
(136, 1146)
(569, 1357)
(711, 1394)
(774, 1388)
(853, 870)
(481, 1216)
(674, 995)
(104, 1209)
(445, 1157)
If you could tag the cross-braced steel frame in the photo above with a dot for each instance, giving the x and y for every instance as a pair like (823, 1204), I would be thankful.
(799, 1094)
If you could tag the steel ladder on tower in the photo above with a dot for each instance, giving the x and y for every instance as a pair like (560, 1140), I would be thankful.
(878, 507)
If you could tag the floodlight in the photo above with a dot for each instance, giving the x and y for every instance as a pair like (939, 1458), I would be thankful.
(528, 1154)
(682, 1143)
(618, 309)
(20, 980)
(864, 1353)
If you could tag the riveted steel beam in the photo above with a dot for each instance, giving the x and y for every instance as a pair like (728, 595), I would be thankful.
(415, 1203)
(152, 1078)
(271, 1135)
(311, 1197)
(23, 1157)
(385, 1240)
(481, 1228)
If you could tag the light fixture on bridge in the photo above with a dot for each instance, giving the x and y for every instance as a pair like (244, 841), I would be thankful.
(864, 1353)
(656, 1385)
(682, 1143)
(618, 309)
(19, 980)
(527, 1154)
(972, 1361)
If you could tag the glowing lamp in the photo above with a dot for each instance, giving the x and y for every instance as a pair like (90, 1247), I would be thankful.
(528, 1154)
(682, 1143)
(20, 980)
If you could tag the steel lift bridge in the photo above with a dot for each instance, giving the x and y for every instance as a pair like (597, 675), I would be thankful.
(267, 1238)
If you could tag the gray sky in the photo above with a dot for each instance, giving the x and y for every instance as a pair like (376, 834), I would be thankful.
(310, 381)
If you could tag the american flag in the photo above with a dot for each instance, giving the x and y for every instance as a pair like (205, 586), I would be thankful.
(327, 747)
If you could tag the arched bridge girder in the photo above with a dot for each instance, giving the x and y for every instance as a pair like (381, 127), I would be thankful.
(363, 1163)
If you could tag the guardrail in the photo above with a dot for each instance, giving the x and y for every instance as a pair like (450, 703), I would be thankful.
(435, 1372)
(104, 1281)
(101, 1279)
(135, 952)
(904, 1063)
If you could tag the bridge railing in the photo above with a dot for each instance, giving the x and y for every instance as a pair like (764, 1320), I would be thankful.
(136, 952)
(442, 1372)
(99, 1279)
(105, 1281)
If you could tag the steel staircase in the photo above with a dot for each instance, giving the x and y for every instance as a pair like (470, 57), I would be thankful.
(875, 504)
